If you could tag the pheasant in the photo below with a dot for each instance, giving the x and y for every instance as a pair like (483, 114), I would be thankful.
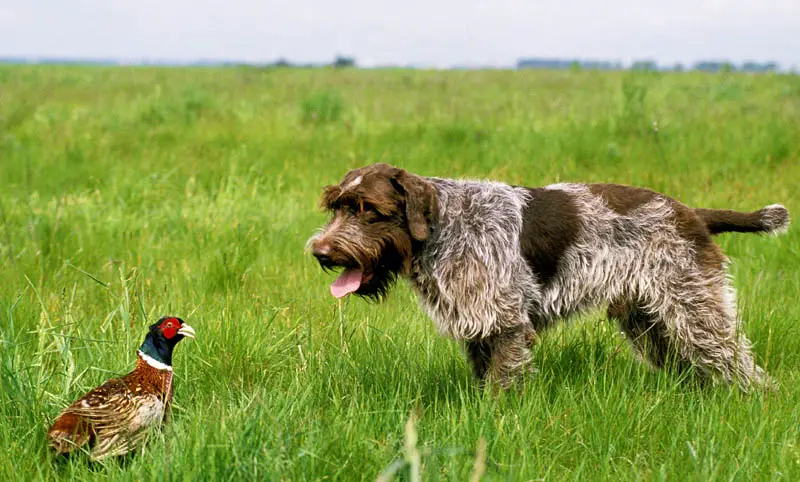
(115, 418)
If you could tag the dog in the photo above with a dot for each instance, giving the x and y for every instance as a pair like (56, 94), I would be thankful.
(495, 264)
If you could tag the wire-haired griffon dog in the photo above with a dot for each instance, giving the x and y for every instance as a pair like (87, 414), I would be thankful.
(494, 264)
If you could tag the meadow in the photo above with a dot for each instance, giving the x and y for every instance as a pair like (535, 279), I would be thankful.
(131, 193)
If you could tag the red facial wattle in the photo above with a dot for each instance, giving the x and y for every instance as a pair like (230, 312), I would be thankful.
(170, 327)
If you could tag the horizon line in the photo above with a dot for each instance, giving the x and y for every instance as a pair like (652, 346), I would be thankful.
(606, 64)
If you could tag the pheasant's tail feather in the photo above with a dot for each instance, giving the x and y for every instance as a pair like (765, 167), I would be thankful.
(69, 432)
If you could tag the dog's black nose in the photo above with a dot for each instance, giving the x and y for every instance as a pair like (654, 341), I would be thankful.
(322, 252)
(324, 259)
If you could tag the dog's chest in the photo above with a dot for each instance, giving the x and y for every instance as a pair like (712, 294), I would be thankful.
(433, 297)
(470, 276)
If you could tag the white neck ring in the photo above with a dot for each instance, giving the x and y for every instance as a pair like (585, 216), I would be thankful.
(153, 362)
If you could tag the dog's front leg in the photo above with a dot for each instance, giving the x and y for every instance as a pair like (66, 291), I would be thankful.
(511, 354)
(479, 354)
(502, 358)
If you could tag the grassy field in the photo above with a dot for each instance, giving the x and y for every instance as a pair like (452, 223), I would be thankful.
(129, 193)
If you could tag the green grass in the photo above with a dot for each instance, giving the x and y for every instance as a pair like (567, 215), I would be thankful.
(126, 194)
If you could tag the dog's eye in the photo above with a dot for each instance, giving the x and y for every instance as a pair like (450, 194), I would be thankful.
(367, 208)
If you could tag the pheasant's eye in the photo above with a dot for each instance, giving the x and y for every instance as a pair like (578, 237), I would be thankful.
(169, 325)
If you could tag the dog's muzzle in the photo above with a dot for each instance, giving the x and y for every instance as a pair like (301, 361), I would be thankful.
(322, 251)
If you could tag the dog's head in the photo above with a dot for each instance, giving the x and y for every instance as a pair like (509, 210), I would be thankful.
(379, 215)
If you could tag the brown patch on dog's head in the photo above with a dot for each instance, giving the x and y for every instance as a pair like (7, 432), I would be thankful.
(420, 203)
(329, 196)
(379, 214)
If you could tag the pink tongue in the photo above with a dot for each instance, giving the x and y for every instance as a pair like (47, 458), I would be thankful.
(346, 283)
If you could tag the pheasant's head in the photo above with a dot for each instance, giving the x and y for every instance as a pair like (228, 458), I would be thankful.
(162, 338)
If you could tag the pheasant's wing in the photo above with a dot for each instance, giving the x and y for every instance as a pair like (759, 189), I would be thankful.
(111, 410)
(69, 432)
(97, 411)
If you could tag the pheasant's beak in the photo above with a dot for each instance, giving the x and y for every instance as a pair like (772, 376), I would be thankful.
(186, 330)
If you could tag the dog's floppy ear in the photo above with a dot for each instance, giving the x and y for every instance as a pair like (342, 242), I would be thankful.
(329, 195)
(420, 203)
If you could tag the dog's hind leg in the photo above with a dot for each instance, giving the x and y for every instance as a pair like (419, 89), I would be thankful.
(702, 326)
(644, 331)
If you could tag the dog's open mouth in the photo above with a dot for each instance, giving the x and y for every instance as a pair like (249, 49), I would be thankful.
(349, 281)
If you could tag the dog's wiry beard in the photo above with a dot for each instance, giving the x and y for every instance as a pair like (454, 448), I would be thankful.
(382, 254)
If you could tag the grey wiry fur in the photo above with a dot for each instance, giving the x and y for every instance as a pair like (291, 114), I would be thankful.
(662, 297)
(473, 254)
(496, 264)
(471, 277)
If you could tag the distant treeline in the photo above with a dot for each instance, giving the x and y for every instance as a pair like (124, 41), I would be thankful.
(345, 62)
(339, 61)
(702, 66)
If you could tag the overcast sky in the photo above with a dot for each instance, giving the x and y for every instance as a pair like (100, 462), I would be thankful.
(419, 32)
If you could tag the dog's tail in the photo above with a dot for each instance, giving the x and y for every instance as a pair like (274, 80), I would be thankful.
(772, 219)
